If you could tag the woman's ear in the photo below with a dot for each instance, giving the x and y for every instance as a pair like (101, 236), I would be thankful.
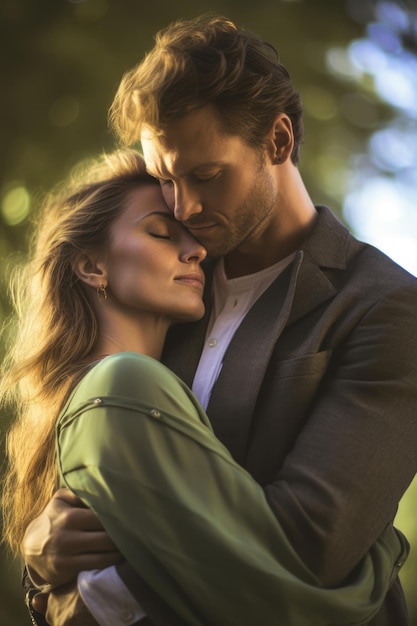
(90, 270)
(280, 140)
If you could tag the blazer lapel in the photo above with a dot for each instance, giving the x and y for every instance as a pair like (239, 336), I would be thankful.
(298, 290)
(234, 394)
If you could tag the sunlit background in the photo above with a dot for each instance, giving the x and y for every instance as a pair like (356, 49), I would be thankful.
(354, 62)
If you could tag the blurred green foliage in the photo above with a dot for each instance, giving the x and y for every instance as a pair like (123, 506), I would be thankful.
(60, 64)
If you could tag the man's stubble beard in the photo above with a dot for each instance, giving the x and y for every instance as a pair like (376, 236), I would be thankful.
(249, 220)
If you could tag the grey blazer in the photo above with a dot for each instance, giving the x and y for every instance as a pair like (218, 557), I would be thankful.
(317, 397)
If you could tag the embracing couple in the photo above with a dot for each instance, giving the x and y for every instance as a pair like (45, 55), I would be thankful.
(218, 377)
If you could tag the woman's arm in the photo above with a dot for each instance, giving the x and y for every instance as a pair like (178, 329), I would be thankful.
(188, 519)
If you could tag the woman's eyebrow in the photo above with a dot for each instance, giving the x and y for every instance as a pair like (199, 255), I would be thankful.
(164, 214)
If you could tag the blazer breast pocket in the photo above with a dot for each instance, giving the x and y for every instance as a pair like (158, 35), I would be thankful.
(305, 366)
(284, 404)
(291, 385)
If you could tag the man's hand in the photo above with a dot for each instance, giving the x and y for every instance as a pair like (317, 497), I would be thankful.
(66, 608)
(65, 539)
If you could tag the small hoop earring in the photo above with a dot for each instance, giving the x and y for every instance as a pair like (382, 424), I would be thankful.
(101, 292)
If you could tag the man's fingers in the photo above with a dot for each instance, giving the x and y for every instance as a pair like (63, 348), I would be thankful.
(65, 539)
(87, 543)
(68, 496)
(75, 518)
(81, 562)
(66, 569)
(68, 511)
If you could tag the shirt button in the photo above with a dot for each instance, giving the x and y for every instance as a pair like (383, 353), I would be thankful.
(155, 413)
(126, 615)
(212, 343)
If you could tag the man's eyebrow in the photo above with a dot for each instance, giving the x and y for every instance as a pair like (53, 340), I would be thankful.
(151, 173)
(155, 173)
(195, 169)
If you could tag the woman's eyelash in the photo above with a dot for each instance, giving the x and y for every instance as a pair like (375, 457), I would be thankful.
(158, 236)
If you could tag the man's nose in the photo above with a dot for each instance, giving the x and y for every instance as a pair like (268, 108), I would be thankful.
(187, 203)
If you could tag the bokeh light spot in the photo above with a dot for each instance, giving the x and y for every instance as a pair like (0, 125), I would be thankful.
(15, 205)
(395, 86)
(394, 148)
(383, 214)
(366, 56)
(385, 37)
(340, 64)
(319, 103)
(392, 13)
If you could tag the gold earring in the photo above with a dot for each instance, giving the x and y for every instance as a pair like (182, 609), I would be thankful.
(101, 292)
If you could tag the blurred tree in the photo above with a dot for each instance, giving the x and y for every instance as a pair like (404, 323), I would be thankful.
(61, 63)
(382, 178)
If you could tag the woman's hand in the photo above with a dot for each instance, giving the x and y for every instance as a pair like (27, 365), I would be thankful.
(65, 539)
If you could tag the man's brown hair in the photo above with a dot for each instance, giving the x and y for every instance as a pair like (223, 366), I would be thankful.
(208, 61)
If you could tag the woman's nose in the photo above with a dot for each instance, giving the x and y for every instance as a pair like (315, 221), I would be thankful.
(194, 252)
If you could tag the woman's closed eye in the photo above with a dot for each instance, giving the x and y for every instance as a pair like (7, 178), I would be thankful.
(161, 235)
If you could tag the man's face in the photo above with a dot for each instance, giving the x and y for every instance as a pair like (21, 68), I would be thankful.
(214, 182)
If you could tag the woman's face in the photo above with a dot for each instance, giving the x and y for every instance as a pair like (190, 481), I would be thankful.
(152, 262)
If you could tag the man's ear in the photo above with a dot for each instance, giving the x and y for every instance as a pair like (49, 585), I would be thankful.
(280, 140)
(90, 270)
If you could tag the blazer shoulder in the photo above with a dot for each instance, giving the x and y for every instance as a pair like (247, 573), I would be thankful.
(377, 268)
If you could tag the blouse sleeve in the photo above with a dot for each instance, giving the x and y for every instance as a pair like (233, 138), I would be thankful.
(136, 446)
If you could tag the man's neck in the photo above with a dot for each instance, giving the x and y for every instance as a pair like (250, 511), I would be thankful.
(285, 230)
(242, 262)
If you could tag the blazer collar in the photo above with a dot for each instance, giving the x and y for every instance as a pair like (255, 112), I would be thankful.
(327, 243)
(326, 248)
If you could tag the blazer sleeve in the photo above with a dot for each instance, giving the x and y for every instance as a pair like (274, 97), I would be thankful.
(356, 453)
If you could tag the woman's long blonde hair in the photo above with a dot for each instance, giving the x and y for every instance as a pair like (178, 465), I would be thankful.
(55, 326)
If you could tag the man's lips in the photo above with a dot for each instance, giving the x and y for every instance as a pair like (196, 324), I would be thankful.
(193, 279)
(199, 228)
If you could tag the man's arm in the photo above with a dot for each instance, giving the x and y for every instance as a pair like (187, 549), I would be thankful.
(65, 539)
(220, 471)
(356, 454)
(189, 507)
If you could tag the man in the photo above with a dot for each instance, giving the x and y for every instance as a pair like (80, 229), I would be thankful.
(307, 357)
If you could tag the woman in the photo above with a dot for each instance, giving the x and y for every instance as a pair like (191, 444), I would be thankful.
(110, 271)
